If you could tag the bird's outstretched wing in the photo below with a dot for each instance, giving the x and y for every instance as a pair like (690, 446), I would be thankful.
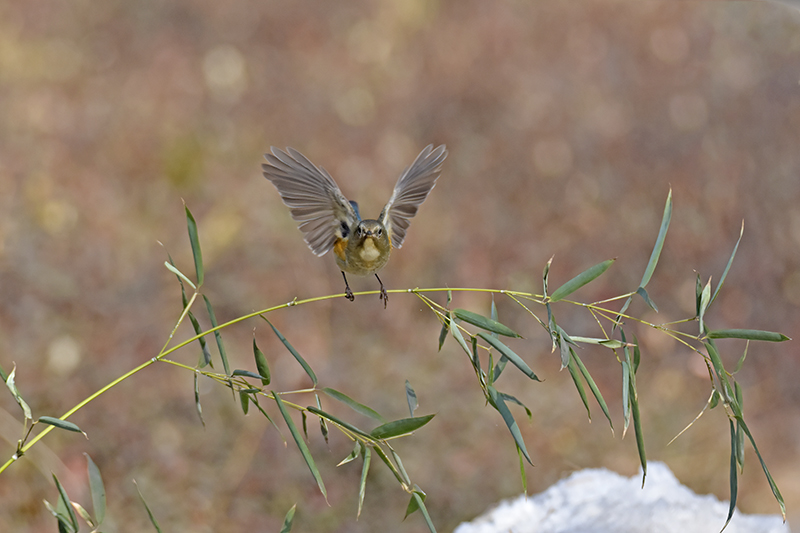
(413, 186)
(316, 203)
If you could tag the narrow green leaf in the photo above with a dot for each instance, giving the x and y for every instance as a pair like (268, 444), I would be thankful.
(181, 276)
(646, 297)
(444, 330)
(411, 398)
(728, 266)
(485, 323)
(499, 367)
(593, 386)
(206, 355)
(61, 424)
(580, 280)
(399, 427)
(419, 496)
(498, 403)
(3, 374)
(749, 334)
(637, 428)
(742, 358)
(301, 445)
(26, 410)
(456, 333)
(73, 520)
(513, 399)
(772, 485)
(546, 276)
(698, 294)
(509, 354)
(563, 347)
(362, 485)
(522, 475)
(220, 345)
(261, 364)
(244, 401)
(637, 355)
(304, 418)
(575, 373)
(98, 490)
(339, 422)
(740, 446)
(612, 344)
(626, 397)
(705, 298)
(733, 474)
(413, 505)
(722, 376)
(197, 405)
(59, 512)
(625, 306)
(245, 373)
(195, 241)
(294, 353)
(388, 463)
(83, 513)
(400, 466)
(357, 450)
(354, 405)
(662, 235)
(288, 520)
(323, 425)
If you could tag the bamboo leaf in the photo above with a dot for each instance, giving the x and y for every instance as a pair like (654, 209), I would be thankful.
(97, 490)
(637, 428)
(411, 398)
(509, 354)
(580, 280)
(772, 485)
(444, 330)
(662, 235)
(218, 337)
(456, 333)
(485, 323)
(61, 424)
(301, 445)
(244, 401)
(498, 403)
(26, 410)
(181, 276)
(728, 266)
(194, 239)
(362, 485)
(594, 388)
(733, 474)
(646, 297)
(749, 334)
(73, 520)
(288, 520)
(352, 455)
(339, 422)
(705, 298)
(354, 405)
(575, 373)
(294, 353)
(546, 277)
(198, 407)
(246, 373)
(399, 427)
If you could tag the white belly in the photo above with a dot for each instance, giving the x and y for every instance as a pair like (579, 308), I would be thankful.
(369, 252)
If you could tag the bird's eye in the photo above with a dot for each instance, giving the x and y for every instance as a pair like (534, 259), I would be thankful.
(379, 232)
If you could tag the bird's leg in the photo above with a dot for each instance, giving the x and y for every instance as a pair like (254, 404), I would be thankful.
(347, 292)
(383, 296)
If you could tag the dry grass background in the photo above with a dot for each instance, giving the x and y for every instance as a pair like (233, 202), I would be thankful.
(567, 122)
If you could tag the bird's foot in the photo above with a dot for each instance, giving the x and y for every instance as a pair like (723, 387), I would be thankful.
(384, 297)
(349, 294)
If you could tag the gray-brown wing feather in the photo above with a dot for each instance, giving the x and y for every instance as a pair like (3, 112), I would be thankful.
(312, 196)
(413, 186)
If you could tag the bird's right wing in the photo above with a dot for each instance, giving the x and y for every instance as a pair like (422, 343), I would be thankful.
(314, 199)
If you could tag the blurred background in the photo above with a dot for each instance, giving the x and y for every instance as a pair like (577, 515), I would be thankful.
(567, 123)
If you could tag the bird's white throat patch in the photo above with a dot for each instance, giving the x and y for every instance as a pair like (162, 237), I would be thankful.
(369, 252)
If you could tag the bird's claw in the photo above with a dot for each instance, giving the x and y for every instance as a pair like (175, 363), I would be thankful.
(384, 297)
(349, 294)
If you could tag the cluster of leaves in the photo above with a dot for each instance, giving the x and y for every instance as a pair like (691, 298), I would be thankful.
(252, 387)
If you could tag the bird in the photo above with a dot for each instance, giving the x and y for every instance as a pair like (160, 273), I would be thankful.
(329, 221)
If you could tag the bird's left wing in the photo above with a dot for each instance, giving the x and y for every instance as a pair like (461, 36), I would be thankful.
(413, 186)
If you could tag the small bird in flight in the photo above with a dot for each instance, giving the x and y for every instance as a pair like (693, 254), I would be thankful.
(329, 221)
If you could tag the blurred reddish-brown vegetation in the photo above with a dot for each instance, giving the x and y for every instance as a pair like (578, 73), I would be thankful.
(567, 123)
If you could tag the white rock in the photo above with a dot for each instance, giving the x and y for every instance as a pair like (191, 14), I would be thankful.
(601, 501)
